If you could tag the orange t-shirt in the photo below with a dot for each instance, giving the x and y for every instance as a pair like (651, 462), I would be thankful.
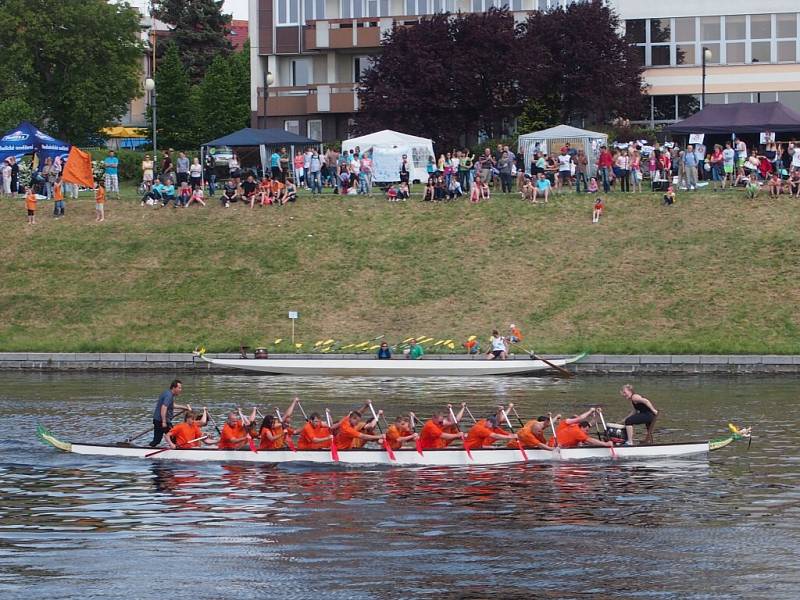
(307, 435)
(30, 201)
(58, 194)
(479, 436)
(346, 435)
(277, 443)
(229, 434)
(569, 436)
(517, 334)
(450, 429)
(277, 186)
(430, 436)
(528, 437)
(393, 435)
(358, 442)
(100, 195)
(183, 433)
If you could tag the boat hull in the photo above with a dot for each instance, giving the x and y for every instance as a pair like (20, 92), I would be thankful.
(390, 368)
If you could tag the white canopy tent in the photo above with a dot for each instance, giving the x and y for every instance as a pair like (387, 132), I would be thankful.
(387, 148)
(551, 140)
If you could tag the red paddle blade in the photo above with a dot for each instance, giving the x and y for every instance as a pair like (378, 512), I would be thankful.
(419, 447)
(290, 443)
(252, 444)
(468, 453)
(334, 452)
(524, 454)
(389, 450)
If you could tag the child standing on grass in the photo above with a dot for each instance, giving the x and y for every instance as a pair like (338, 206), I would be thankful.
(58, 197)
(598, 210)
(100, 203)
(30, 205)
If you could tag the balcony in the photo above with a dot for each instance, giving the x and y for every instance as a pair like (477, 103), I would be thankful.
(365, 32)
(308, 100)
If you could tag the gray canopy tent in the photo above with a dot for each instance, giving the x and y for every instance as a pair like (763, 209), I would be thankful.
(261, 139)
(551, 140)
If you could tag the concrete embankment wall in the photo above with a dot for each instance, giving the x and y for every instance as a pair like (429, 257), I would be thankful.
(599, 364)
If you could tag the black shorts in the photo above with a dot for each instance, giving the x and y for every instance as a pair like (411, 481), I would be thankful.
(564, 175)
(404, 177)
(640, 418)
(497, 353)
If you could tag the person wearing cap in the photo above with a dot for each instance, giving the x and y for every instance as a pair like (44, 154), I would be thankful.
(485, 433)
(574, 432)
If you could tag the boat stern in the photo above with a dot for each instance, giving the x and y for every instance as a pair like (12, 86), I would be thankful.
(48, 438)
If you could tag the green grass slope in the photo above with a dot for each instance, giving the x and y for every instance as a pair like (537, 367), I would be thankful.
(714, 273)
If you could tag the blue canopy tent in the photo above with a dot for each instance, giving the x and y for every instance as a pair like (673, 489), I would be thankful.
(27, 139)
(261, 139)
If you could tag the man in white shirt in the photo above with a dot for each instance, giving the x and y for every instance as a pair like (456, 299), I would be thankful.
(564, 169)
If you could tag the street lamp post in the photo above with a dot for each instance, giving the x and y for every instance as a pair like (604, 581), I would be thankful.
(150, 86)
(269, 79)
(706, 57)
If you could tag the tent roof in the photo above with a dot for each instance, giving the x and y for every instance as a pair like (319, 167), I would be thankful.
(740, 117)
(258, 137)
(28, 134)
(561, 131)
(385, 137)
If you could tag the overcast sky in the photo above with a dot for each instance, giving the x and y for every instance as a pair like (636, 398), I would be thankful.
(236, 7)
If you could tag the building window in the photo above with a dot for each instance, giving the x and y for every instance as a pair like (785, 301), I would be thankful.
(360, 66)
(761, 52)
(735, 28)
(687, 106)
(787, 25)
(684, 29)
(787, 51)
(301, 72)
(660, 31)
(684, 54)
(313, 10)
(292, 126)
(790, 99)
(377, 8)
(659, 56)
(288, 12)
(482, 5)
(314, 129)
(734, 53)
(760, 27)
(709, 29)
(635, 31)
(352, 9)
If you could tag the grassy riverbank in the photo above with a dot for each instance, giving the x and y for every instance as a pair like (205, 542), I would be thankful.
(714, 273)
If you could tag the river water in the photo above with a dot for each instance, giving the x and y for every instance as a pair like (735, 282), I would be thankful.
(726, 526)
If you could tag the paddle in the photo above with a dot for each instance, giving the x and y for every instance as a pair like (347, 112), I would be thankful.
(556, 447)
(561, 370)
(386, 445)
(469, 412)
(286, 435)
(176, 448)
(418, 442)
(516, 414)
(458, 426)
(519, 443)
(300, 406)
(599, 411)
(334, 449)
(245, 423)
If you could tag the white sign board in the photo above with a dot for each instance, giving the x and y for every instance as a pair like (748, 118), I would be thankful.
(292, 314)
(696, 138)
(386, 164)
(766, 137)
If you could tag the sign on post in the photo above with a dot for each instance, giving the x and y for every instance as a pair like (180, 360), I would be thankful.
(293, 314)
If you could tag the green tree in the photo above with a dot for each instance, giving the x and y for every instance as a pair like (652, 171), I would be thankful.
(216, 94)
(199, 30)
(174, 117)
(74, 65)
(240, 75)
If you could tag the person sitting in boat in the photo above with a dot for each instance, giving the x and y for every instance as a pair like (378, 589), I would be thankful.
(574, 432)
(349, 435)
(499, 346)
(314, 434)
(280, 428)
(234, 434)
(485, 433)
(365, 426)
(384, 352)
(514, 334)
(532, 434)
(270, 433)
(189, 433)
(440, 431)
(643, 413)
(399, 432)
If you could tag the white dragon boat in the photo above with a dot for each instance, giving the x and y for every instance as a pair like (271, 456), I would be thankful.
(448, 457)
(372, 367)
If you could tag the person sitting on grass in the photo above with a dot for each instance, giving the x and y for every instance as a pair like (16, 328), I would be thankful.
(196, 197)
(230, 193)
(775, 185)
(752, 188)
(168, 193)
(793, 184)
(265, 191)
(439, 190)
(593, 188)
(526, 192)
(454, 189)
(184, 193)
(597, 211)
(669, 197)
(250, 187)
(289, 192)
(430, 187)
(542, 189)
(391, 193)
(278, 190)
(403, 193)
(154, 194)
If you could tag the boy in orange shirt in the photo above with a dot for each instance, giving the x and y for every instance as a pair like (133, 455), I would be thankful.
(100, 203)
(58, 197)
(30, 205)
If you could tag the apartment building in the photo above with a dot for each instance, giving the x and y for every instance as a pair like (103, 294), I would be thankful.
(309, 55)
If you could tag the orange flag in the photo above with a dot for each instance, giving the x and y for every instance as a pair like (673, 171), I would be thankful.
(78, 168)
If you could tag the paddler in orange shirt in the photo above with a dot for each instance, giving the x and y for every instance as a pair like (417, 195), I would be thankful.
(234, 434)
(439, 431)
(187, 434)
(574, 432)
(273, 437)
(348, 434)
(485, 433)
(399, 432)
(532, 434)
(314, 434)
